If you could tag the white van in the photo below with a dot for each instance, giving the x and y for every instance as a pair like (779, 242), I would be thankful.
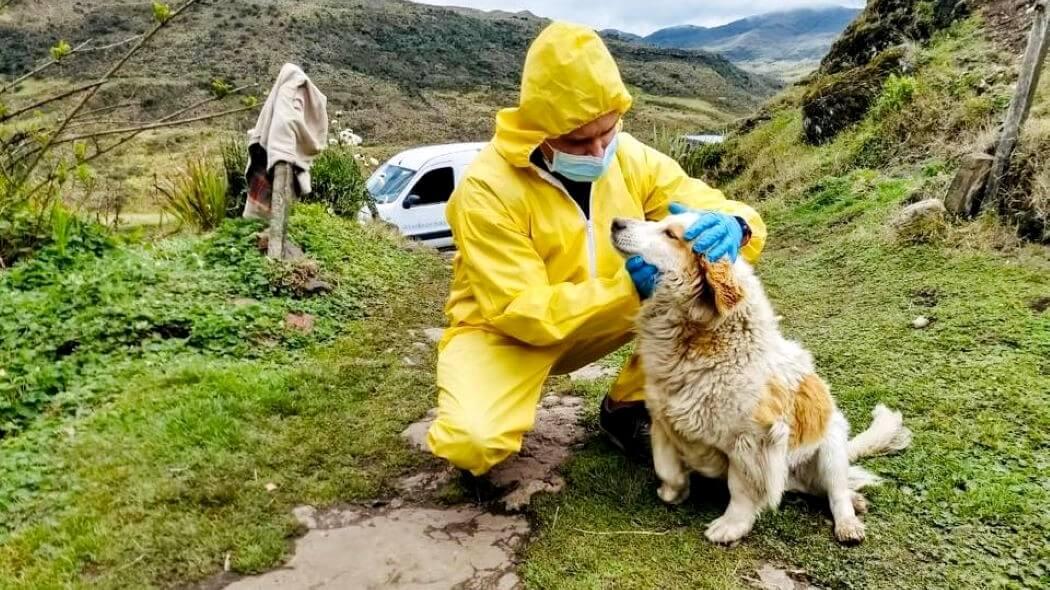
(412, 188)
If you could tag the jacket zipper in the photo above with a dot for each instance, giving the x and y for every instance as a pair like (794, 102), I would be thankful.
(592, 253)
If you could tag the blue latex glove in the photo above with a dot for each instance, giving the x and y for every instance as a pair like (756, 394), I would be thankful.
(715, 235)
(643, 274)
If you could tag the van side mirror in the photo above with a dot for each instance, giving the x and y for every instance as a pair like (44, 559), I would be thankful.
(412, 201)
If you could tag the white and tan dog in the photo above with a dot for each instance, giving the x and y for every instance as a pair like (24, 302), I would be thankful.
(732, 398)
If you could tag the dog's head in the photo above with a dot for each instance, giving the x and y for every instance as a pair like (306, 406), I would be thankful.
(713, 288)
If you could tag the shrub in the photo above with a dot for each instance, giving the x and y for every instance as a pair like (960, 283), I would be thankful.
(897, 92)
(198, 195)
(338, 181)
(234, 151)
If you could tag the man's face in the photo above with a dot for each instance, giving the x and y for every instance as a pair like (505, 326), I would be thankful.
(588, 140)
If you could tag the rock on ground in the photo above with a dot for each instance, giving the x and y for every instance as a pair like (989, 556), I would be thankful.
(434, 335)
(592, 372)
(921, 222)
(770, 577)
(531, 471)
(410, 547)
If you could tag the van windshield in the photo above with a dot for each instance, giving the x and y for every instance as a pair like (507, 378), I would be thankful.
(387, 182)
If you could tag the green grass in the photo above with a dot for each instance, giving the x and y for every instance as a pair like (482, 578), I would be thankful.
(152, 465)
(965, 507)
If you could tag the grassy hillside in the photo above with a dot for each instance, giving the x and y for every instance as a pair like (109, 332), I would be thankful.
(400, 69)
(936, 91)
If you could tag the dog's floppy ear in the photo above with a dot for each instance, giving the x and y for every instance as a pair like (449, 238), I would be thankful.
(723, 290)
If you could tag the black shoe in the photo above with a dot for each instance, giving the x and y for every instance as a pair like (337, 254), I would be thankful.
(627, 425)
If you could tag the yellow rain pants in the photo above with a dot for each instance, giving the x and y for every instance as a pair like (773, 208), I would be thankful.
(537, 286)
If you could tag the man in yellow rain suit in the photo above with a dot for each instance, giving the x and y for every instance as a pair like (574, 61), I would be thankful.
(538, 288)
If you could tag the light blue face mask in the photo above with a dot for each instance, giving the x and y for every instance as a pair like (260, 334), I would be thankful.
(584, 168)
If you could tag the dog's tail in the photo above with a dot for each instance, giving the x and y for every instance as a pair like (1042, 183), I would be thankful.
(886, 434)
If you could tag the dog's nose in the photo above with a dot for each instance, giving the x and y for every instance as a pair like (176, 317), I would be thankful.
(618, 224)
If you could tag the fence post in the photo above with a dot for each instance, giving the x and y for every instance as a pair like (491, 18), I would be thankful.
(1027, 83)
(281, 202)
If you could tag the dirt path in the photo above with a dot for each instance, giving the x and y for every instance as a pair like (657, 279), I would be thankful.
(413, 541)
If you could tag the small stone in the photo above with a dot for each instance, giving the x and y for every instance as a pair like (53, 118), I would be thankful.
(434, 334)
(271, 487)
(408, 362)
(244, 301)
(303, 322)
(920, 322)
(306, 515)
(592, 372)
(396, 503)
(420, 346)
(317, 287)
(921, 222)
(509, 581)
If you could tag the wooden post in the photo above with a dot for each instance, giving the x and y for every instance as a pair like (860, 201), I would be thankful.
(280, 204)
(1027, 83)
(964, 194)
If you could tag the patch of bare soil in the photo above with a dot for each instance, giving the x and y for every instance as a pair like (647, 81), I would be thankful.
(400, 547)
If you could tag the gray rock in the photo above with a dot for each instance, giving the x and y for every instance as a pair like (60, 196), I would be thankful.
(306, 515)
(920, 222)
(592, 372)
(434, 334)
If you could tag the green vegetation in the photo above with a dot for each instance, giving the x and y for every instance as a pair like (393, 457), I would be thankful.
(197, 195)
(338, 181)
(965, 507)
(165, 403)
(158, 390)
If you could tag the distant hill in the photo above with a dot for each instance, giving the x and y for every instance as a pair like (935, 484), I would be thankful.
(778, 42)
(390, 63)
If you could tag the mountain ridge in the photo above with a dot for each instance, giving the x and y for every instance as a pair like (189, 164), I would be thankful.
(768, 43)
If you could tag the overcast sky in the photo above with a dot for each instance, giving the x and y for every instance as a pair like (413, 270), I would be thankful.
(644, 16)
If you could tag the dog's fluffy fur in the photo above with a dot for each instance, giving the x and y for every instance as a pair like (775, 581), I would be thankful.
(732, 398)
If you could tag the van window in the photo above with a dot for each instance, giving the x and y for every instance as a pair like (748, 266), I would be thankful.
(435, 186)
(386, 184)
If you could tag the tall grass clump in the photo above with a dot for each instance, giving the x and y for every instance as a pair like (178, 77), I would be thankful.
(234, 151)
(338, 181)
(198, 195)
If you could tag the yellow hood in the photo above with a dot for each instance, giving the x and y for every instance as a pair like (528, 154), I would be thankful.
(569, 80)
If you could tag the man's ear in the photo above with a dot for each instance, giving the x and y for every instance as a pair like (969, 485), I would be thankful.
(723, 288)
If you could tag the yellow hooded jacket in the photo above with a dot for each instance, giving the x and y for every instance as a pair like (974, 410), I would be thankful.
(530, 265)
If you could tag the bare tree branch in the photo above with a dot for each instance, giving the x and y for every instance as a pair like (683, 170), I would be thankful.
(90, 93)
(158, 125)
(40, 69)
(102, 151)
(106, 109)
(76, 50)
(210, 99)
(46, 101)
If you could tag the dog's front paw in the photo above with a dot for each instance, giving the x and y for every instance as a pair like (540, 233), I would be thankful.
(672, 495)
(849, 531)
(726, 530)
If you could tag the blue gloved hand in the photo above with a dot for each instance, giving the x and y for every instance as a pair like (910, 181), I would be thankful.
(643, 274)
(715, 235)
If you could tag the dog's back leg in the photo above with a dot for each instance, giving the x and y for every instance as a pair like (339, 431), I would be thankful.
(832, 462)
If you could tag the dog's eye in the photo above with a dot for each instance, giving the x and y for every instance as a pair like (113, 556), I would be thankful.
(670, 233)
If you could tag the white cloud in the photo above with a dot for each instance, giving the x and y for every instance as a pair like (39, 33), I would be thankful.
(644, 16)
